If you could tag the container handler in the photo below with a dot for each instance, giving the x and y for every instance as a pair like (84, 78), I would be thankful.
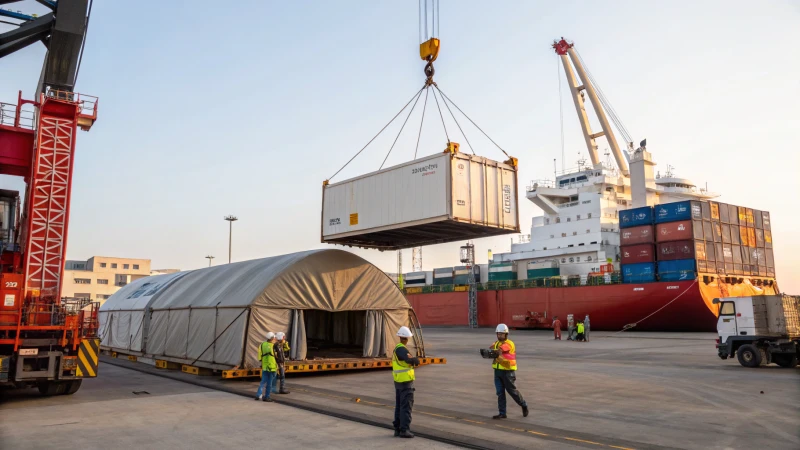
(759, 330)
(45, 341)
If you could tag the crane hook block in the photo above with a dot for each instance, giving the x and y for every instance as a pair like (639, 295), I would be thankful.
(429, 50)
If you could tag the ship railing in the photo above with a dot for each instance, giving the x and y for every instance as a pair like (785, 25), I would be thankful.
(535, 184)
(549, 282)
(14, 116)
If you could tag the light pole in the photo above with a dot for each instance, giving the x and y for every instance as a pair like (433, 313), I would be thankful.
(209, 258)
(230, 220)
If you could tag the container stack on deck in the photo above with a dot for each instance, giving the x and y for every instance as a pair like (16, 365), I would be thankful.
(443, 276)
(637, 249)
(502, 271)
(679, 237)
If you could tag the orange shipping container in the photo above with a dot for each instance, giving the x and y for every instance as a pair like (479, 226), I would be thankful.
(714, 211)
(743, 236)
(742, 215)
(751, 237)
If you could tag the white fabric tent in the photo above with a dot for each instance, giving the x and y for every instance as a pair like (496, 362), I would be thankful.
(216, 317)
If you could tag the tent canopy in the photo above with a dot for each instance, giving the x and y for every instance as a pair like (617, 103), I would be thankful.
(219, 315)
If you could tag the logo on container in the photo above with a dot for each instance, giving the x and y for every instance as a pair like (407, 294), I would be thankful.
(336, 221)
(681, 227)
(430, 168)
(507, 199)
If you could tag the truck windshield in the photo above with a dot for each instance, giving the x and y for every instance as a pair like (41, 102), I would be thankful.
(727, 309)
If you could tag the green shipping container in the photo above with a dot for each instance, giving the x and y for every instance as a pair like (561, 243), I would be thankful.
(543, 273)
(502, 272)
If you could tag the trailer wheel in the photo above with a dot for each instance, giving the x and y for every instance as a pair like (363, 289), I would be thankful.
(73, 386)
(48, 388)
(749, 355)
(785, 360)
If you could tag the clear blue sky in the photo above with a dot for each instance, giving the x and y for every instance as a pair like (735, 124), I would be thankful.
(209, 109)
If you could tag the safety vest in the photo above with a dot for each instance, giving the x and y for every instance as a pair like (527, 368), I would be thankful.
(509, 356)
(401, 370)
(266, 353)
(580, 327)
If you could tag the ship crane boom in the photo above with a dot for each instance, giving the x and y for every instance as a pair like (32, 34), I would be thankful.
(569, 58)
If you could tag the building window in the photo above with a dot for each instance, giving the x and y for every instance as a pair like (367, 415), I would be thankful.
(126, 266)
(563, 234)
(593, 242)
(589, 216)
(569, 219)
(113, 265)
(83, 281)
(103, 265)
(589, 258)
(572, 260)
(574, 233)
(579, 217)
(88, 296)
(547, 221)
(102, 281)
(135, 267)
(558, 219)
(578, 259)
(587, 231)
(563, 260)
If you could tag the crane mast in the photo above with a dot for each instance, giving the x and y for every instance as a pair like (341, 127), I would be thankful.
(569, 58)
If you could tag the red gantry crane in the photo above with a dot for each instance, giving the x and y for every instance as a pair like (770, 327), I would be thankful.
(45, 340)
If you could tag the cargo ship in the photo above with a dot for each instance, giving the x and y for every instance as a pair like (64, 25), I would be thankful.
(616, 241)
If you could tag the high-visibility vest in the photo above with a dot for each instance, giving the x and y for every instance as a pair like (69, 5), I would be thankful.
(401, 370)
(266, 353)
(580, 327)
(510, 356)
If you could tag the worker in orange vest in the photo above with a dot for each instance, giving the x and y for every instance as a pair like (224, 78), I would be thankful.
(505, 373)
(556, 328)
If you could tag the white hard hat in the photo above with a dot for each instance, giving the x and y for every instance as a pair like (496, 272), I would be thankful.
(280, 335)
(502, 328)
(270, 335)
(404, 332)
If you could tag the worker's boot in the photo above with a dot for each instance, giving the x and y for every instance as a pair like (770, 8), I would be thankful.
(396, 432)
(283, 391)
(257, 399)
(500, 416)
(525, 411)
(406, 434)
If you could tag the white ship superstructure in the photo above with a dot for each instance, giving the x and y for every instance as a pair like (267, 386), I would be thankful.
(579, 228)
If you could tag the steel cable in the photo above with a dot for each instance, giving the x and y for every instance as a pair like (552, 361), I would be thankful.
(444, 96)
(401, 129)
(424, 107)
(459, 126)
(379, 132)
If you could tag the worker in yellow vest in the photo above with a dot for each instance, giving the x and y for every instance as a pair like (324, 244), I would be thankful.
(269, 367)
(403, 373)
(505, 372)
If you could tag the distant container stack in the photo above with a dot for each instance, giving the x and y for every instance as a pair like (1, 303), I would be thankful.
(443, 276)
(503, 271)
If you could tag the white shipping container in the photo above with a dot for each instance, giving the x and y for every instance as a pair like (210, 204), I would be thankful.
(441, 198)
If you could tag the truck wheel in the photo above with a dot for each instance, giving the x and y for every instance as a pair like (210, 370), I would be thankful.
(785, 360)
(749, 355)
(73, 387)
(48, 388)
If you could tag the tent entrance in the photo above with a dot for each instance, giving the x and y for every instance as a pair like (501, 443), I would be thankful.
(334, 334)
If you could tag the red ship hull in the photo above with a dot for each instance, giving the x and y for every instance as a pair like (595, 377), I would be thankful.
(610, 307)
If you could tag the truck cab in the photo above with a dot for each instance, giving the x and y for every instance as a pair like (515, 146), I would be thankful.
(759, 330)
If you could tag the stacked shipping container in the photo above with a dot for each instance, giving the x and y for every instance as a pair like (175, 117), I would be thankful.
(637, 245)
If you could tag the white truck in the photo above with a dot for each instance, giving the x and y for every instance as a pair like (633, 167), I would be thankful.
(759, 330)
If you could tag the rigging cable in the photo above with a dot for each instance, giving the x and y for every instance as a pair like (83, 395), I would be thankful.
(379, 132)
(424, 106)
(444, 96)
(401, 130)
(560, 112)
(441, 115)
(459, 127)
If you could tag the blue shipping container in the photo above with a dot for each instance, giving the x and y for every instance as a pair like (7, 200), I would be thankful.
(639, 273)
(678, 270)
(673, 212)
(635, 217)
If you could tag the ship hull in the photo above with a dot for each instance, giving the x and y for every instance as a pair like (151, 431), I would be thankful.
(658, 306)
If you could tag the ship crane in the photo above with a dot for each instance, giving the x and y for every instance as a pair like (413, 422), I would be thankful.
(569, 58)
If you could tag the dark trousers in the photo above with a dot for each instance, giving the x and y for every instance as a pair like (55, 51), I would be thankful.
(280, 376)
(403, 404)
(506, 381)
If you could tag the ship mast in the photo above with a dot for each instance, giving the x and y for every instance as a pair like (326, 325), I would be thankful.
(569, 57)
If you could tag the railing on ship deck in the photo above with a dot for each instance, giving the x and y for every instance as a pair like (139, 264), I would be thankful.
(614, 278)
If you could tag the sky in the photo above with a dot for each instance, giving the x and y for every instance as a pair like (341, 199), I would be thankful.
(207, 111)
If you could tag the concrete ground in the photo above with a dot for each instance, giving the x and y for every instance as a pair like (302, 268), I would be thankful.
(629, 390)
(622, 390)
(125, 409)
